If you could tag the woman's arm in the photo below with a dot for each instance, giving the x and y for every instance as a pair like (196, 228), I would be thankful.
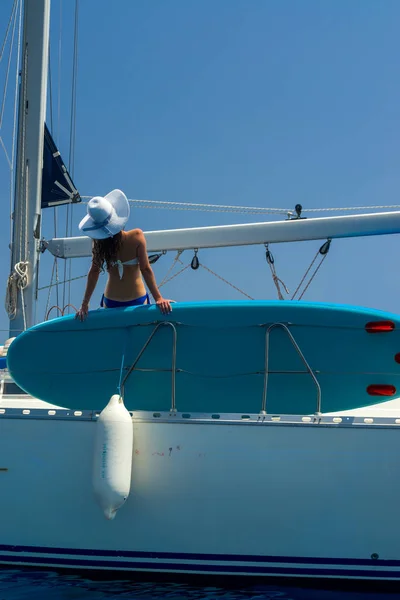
(148, 275)
(92, 280)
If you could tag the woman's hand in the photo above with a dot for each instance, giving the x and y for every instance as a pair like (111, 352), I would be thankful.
(83, 311)
(164, 305)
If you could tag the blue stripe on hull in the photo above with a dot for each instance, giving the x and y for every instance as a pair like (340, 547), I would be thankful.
(249, 558)
(95, 562)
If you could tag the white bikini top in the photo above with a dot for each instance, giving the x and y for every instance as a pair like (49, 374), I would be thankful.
(120, 265)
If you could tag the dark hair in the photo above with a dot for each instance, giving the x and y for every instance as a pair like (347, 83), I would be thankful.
(105, 252)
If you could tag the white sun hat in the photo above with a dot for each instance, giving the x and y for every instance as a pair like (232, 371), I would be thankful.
(106, 216)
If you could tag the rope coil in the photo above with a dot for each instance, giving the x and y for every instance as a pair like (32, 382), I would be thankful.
(17, 281)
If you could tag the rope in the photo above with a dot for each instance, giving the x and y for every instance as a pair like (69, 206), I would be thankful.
(304, 276)
(45, 287)
(5, 151)
(69, 306)
(324, 249)
(70, 261)
(173, 276)
(176, 260)
(49, 311)
(55, 258)
(61, 310)
(160, 204)
(65, 280)
(346, 208)
(314, 274)
(18, 280)
(51, 281)
(277, 281)
(226, 281)
(226, 208)
(121, 371)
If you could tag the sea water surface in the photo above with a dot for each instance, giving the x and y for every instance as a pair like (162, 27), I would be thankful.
(20, 584)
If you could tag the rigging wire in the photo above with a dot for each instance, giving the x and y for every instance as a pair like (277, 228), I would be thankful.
(55, 212)
(73, 128)
(51, 285)
(277, 281)
(54, 209)
(50, 91)
(15, 117)
(324, 255)
(59, 76)
(71, 160)
(154, 204)
(323, 252)
(55, 263)
(12, 23)
(226, 208)
(15, 17)
(8, 64)
(226, 281)
(167, 279)
(311, 279)
(8, 29)
(304, 276)
(5, 151)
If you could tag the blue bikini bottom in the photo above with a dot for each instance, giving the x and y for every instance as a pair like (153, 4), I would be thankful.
(107, 303)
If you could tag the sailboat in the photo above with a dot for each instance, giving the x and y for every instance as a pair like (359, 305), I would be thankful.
(236, 439)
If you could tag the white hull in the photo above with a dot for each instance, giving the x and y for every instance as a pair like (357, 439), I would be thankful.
(208, 496)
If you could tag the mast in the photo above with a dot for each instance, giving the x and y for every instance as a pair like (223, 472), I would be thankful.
(28, 175)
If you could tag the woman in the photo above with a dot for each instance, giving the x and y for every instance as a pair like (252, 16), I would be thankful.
(122, 253)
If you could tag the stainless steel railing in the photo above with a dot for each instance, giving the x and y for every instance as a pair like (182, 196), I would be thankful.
(266, 363)
(301, 355)
(173, 365)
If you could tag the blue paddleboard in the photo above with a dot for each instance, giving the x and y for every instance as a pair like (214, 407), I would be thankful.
(220, 357)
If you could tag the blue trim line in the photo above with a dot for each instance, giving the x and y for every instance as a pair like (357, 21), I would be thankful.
(199, 568)
(198, 556)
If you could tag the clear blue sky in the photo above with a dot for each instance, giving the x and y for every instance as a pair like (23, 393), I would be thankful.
(249, 102)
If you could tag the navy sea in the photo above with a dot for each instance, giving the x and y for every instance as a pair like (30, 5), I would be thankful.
(20, 584)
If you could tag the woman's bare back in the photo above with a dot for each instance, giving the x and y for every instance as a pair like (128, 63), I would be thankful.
(130, 286)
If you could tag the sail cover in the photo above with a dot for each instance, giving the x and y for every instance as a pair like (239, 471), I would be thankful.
(57, 185)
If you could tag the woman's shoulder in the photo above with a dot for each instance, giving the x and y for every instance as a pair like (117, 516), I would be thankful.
(134, 236)
(134, 233)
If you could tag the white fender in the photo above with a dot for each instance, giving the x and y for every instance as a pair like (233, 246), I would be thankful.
(113, 456)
